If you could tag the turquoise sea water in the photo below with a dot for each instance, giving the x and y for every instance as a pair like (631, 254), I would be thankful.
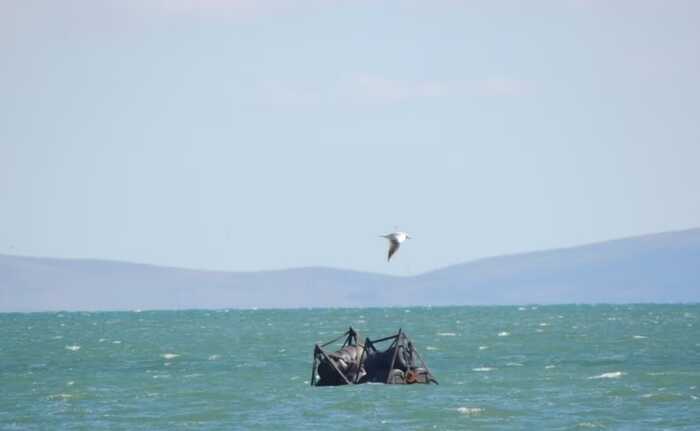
(630, 367)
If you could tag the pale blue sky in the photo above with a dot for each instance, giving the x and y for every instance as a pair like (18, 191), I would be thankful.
(245, 135)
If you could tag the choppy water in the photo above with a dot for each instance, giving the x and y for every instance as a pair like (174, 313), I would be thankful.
(556, 367)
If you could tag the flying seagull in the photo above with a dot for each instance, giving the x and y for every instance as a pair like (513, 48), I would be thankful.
(395, 239)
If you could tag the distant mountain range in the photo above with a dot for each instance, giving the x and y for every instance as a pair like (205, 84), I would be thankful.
(652, 268)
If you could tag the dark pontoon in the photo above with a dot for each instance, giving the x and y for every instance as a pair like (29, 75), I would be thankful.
(355, 363)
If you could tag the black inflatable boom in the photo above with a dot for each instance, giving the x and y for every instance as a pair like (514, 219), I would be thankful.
(355, 363)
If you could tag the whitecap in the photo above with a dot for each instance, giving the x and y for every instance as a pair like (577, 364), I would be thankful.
(57, 337)
(514, 364)
(214, 357)
(470, 411)
(544, 324)
(522, 308)
(446, 334)
(549, 367)
(482, 369)
(503, 334)
(70, 383)
(101, 340)
(116, 342)
(73, 348)
(588, 425)
(611, 375)
(431, 348)
(639, 337)
(483, 347)
(169, 355)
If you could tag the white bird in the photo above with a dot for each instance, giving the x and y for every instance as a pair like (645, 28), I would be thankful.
(395, 239)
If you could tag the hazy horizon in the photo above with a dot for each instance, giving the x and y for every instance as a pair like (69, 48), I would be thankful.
(659, 268)
(477, 259)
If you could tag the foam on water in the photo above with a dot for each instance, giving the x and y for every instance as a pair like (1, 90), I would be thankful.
(589, 425)
(611, 375)
(470, 411)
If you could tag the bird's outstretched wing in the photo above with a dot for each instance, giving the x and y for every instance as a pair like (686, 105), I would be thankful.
(393, 246)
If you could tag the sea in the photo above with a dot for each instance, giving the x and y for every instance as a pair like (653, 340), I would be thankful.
(530, 367)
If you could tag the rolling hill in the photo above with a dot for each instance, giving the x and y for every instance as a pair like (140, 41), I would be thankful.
(661, 267)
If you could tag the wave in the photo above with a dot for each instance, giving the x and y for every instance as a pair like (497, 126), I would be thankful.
(611, 375)
(470, 411)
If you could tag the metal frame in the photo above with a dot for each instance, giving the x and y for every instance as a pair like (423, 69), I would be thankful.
(399, 340)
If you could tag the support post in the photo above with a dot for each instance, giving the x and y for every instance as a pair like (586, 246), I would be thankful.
(396, 352)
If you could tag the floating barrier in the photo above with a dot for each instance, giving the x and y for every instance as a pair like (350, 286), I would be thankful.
(356, 363)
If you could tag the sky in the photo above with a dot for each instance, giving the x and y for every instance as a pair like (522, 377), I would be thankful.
(247, 135)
